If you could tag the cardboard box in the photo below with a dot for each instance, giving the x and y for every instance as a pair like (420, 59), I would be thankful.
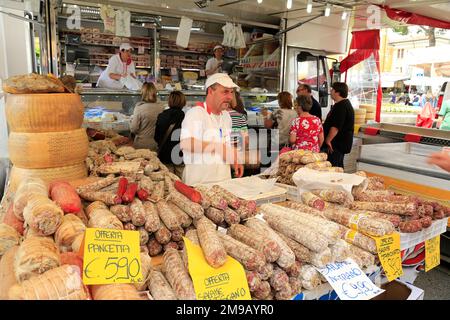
(398, 290)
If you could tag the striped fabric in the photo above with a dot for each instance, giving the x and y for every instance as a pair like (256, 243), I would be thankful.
(238, 125)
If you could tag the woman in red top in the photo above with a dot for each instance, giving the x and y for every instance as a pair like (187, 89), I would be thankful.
(306, 130)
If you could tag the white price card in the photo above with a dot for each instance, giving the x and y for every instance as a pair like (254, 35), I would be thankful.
(349, 281)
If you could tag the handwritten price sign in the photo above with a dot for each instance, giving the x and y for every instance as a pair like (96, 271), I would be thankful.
(111, 256)
(432, 253)
(388, 248)
(227, 282)
(349, 281)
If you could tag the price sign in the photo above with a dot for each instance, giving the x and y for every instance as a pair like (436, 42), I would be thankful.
(388, 248)
(227, 282)
(432, 253)
(111, 256)
(349, 281)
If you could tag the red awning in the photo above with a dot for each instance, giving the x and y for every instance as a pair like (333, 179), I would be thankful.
(414, 18)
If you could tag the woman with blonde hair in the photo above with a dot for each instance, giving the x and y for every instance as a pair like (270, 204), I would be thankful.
(281, 118)
(144, 118)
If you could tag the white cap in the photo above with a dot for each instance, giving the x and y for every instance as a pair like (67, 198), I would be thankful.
(125, 46)
(222, 79)
(217, 47)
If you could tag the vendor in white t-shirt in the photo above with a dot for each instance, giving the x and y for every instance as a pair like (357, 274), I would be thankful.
(214, 65)
(120, 66)
(205, 136)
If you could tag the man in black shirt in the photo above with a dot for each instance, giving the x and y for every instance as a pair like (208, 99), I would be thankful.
(305, 90)
(339, 125)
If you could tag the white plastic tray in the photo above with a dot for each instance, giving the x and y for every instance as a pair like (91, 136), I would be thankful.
(408, 240)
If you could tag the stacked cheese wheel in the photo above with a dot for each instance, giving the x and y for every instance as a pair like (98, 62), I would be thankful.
(46, 139)
(370, 111)
(360, 116)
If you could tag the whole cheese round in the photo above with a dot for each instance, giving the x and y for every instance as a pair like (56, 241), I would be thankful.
(48, 150)
(44, 112)
(67, 173)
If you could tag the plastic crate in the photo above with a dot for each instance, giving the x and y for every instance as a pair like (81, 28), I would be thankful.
(408, 240)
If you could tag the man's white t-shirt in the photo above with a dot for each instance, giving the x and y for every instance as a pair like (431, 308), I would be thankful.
(212, 63)
(115, 65)
(207, 166)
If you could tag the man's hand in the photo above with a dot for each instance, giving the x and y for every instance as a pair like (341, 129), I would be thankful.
(441, 159)
(238, 170)
(329, 145)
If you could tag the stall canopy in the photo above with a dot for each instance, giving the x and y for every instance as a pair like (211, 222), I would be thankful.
(364, 45)
(414, 18)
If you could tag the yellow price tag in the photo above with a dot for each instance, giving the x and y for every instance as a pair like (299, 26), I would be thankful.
(432, 253)
(388, 248)
(111, 256)
(227, 282)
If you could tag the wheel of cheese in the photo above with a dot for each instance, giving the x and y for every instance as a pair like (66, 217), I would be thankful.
(68, 173)
(44, 112)
(360, 112)
(48, 150)
(368, 107)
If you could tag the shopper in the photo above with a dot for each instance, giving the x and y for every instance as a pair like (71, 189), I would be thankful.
(205, 135)
(444, 116)
(239, 125)
(167, 133)
(305, 90)
(339, 125)
(144, 118)
(119, 66)
(214, 65)
(306, 130)
(281, 118)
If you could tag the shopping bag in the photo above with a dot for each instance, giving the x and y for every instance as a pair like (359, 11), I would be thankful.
(426, 116)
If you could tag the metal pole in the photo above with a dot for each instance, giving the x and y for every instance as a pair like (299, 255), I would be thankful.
(283, 45)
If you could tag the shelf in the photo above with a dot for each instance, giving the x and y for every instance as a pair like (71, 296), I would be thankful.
(101, 22)
(184, 51)
(105, 65)
(100, 45)
(104, 34)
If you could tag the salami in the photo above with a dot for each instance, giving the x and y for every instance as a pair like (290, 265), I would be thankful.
(250, 258)
(231, 217)
(213, 249)
(194, 210)
(152, 221)
(159, 288)
(154, 247)
(312, 200)
(408, 208)
(287, 256)
(279, 279)
(166, 214)
(108, 198)
(360, 222)
(122, 212)
(157, 192)
(215, 200)
(215, 215)
(256, 240)
(230, 198)
(138, 213)
(177, 275)
(163, 235)
(183, 217)
(335, 196)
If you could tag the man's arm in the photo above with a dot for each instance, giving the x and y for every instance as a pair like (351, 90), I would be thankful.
(115, 76)
(331, 135)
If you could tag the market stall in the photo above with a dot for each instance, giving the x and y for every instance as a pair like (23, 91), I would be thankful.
(239, 239)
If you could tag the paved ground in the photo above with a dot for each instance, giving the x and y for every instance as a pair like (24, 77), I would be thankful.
(435, 283)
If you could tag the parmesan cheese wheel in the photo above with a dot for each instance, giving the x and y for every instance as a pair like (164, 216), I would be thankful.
(48, 150)
(44, 112)
(67, 173)
(368, 107)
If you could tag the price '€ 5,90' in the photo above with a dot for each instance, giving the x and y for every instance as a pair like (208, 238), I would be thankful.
(111, 256)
